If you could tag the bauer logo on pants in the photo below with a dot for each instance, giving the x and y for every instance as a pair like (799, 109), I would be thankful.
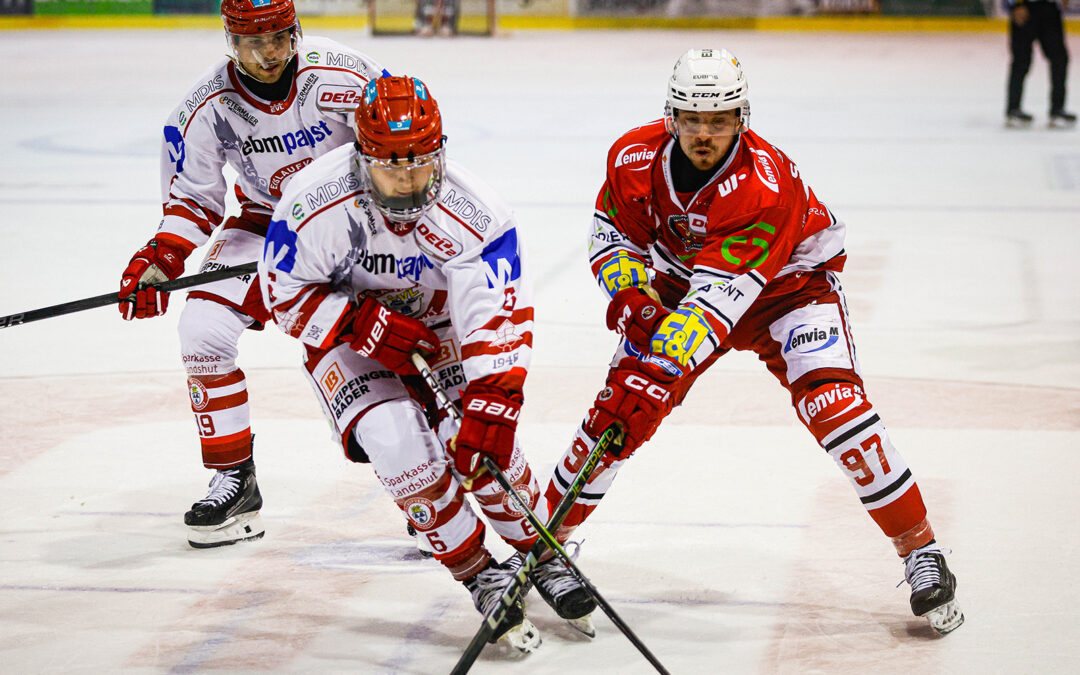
(421, 513)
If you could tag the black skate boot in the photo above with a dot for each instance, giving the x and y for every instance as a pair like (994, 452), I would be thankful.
(933, 588)
(1018, 119)
(230, 511)
(1059, 119)
(561, 590)
(487, 587)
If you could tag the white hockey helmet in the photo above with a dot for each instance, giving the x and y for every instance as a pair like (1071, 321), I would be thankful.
(706, 80)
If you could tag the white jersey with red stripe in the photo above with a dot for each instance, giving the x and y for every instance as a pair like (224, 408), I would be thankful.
(462, 263)
(219, 121)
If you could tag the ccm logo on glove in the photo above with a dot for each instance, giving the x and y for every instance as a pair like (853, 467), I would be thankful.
(650, 389)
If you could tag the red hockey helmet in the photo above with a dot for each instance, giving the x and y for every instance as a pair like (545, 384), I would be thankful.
(265, 33)
(255, 17)
(399, 135)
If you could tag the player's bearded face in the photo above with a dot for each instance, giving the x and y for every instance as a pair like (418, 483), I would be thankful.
(706, 136)
(264, 57)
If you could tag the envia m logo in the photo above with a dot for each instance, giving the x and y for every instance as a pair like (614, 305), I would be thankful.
(501, 259)
(176, 147)
(280, 248)
(260, 3)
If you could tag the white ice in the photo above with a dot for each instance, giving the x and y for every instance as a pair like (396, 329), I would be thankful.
(730, 544)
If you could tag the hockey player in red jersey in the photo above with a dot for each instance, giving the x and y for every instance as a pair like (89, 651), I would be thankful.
(385, 248)
(706, 239)
(277, 103)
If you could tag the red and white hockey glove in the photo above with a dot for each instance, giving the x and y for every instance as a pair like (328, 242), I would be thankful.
(154, 263)
(634, 313)
(488, 427)
(637, 395)
(389, 337)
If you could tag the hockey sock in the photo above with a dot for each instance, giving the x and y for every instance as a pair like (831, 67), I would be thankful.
(845, 424)
(220, 405)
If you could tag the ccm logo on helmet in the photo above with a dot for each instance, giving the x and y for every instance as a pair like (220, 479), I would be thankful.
(651, 390)
(493, 409)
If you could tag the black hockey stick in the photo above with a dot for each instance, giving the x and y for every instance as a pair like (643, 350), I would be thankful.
(509, 596)
(112, 298)
(546, 540)
(551, 542)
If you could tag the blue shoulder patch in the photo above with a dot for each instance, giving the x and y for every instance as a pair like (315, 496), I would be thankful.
(175, 139)
(501, 259)
(279, 251)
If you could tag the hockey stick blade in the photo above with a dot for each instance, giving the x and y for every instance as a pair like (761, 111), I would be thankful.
(551, 542)
(112, 298)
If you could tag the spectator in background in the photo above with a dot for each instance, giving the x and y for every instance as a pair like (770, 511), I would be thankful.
(1031, 20)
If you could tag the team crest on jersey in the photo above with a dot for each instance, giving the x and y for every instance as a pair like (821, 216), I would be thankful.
(421, 513)
(689, 229)
(525, 492)
(199, 396)
(506, 338)
(405, 302)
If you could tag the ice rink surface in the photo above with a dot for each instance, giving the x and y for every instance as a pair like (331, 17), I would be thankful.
(731, 544)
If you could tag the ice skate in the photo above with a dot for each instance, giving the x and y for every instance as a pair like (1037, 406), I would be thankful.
(1018, 119)
(230, 511)
(1059, 119)
(563, 592)
(487, 587)
(933, 588)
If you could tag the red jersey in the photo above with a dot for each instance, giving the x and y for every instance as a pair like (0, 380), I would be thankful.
(752, 231)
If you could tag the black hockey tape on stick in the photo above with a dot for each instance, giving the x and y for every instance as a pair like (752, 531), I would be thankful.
(112, 298)
(551, 542)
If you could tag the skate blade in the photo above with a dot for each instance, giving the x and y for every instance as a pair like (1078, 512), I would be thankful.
(1061, 124)
(584, 625)
(524, 637)
(1018, 124)
(947, 618)
(245, 527)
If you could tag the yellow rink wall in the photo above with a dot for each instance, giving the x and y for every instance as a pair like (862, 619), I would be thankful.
(522, 22)
(858, 24)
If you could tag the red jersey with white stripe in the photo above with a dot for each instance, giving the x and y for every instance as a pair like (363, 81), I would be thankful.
(219, 121)
(462, 263)
(752, 231)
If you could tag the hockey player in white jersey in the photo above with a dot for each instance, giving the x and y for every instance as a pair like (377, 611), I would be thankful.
(385, 248)
(279, 101)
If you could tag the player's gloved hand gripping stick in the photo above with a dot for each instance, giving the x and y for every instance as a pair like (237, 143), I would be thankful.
(113, 298)
(612, 435)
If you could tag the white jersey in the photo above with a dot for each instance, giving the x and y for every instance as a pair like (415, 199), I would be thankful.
(462, 263)
(220, 121)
